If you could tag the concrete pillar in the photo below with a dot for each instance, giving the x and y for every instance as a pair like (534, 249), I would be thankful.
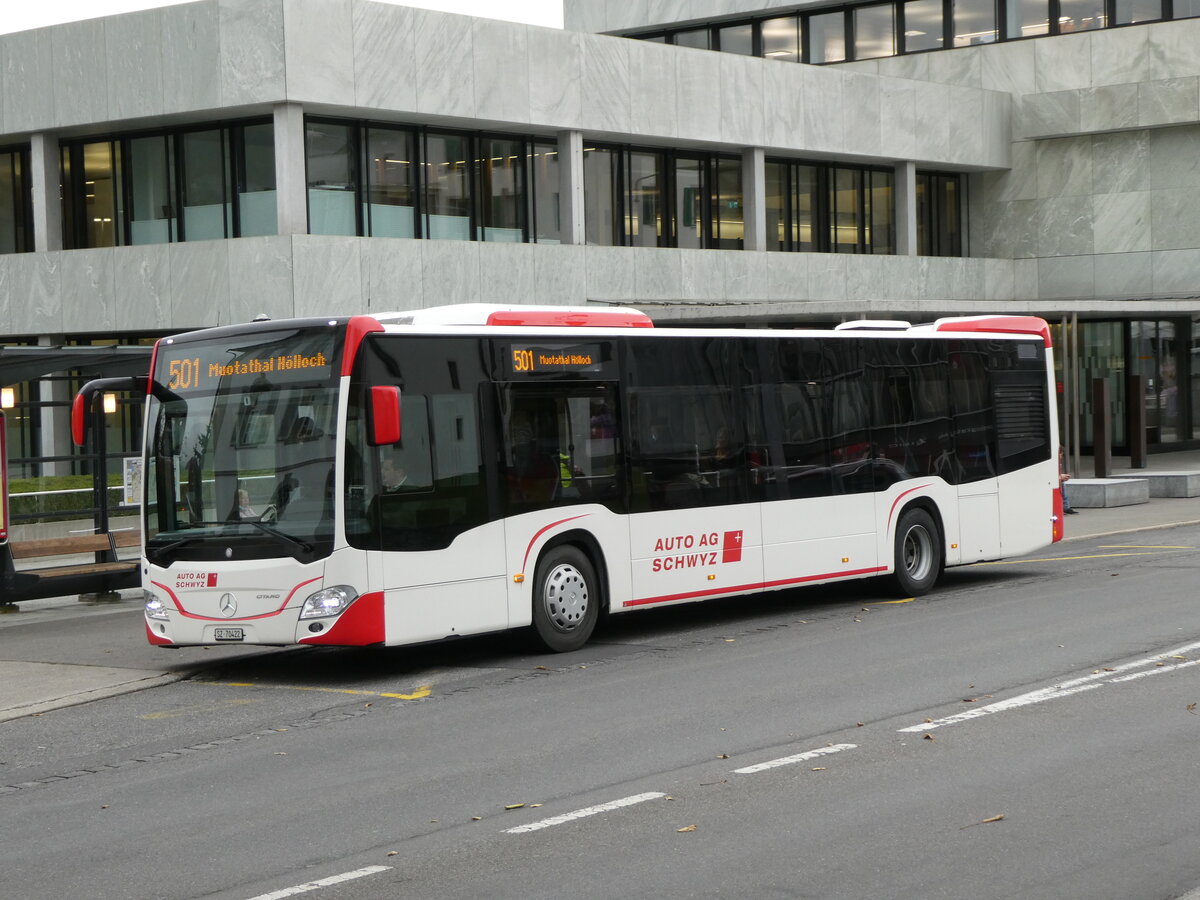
(906, 209)
(55, 420)
(754, 198)
(570, 188)
(45, 175)
(291, 182)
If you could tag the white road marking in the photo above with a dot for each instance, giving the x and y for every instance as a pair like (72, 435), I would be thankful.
(799, 757)
(324, 882)
(584, 813)
(1068, 688)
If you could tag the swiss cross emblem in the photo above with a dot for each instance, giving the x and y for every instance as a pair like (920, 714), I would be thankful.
(212, 579)
(731, 547)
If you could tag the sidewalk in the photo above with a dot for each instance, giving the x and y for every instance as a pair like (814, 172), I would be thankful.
(28, 687)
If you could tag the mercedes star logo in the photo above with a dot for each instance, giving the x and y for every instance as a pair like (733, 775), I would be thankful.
(228, 605)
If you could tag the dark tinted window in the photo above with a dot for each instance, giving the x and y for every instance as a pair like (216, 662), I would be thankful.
(1019, 395)
(971, 405)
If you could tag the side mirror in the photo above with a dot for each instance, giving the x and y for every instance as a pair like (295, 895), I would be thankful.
(81, 406)
(384, 416)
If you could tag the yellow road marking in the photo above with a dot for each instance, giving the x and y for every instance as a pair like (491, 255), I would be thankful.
(419, 694)
(192, 710)
(894, 602)
(1018, 562)
(1141, 547)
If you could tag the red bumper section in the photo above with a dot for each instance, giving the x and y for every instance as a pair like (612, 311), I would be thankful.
(360, 625)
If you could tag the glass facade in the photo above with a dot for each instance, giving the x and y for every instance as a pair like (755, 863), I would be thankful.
(652, 198)
(939, 214)
(167, 186)
(16, 227)
(839, 33)
(829, 209)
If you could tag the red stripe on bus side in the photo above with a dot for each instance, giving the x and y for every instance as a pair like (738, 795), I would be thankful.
(744, 588)
(533, 540)
(919, 487)
(183, 612)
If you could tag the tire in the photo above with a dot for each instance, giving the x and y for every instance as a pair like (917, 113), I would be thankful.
(918, 554)
(566, 599)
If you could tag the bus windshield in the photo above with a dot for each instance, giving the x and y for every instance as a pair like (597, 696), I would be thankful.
(241, 444)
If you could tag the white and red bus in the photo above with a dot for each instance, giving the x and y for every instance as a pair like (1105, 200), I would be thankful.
(420, 476)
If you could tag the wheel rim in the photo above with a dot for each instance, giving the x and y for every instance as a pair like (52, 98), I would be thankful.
(918, 553)
(565, 597)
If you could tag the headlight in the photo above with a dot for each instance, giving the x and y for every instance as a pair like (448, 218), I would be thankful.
(154, 607)
(331, 601)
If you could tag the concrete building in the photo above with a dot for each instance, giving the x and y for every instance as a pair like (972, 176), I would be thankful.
(730, 161)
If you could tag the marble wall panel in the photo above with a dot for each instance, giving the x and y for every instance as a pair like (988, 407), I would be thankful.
(827, 276)
(35, 298)
(898, 118)
(1172, 48)
(1042, 115)
(385, 75)
(997, 129)
(133, 47)
(1121, 162)
(327, 275)
(824, 124)
(6, 297)
(1120, 56)
(191, 54)
(881, 278)
(392, 275)
(652, 89)
(1064, 167)
(745, 274)
(608, 274)
(965, 125)
(450, 273)
(698, 94)
(556, 79)
(915, 66)
(702, 274)
(500, 54)
(444, 69)
(1175, 157)
(260, 278)
(1175, 219)
(1065, 226)
(1175, 271)
(250, 33)
(787, 276)
(861, 118)
(1108, 107)
(1021, 221)
(1066, 277)
(783, 105)
(507, 273)
(1025, 279)
(29, 79)
(963, 68)
(606, 88)
(87, 290)
(1063, 63)
(199, 284)
(142, 287)
(560, 274)
(80, 73)
(1019, 182)
(933, 121)
(1173, 101)
(1121, 222)
(999, 280)
(657, 273)
(319, 50)
(1008, 67)
(741, 87)
(586, 15)
(1124, 274)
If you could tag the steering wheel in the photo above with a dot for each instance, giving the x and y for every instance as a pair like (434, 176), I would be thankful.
(269, 514)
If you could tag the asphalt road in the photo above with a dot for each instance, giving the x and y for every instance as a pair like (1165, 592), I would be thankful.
(1029, 730)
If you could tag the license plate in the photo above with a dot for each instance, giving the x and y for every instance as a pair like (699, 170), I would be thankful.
(229, 634)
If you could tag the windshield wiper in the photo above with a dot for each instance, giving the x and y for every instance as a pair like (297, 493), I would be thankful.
(275, 532)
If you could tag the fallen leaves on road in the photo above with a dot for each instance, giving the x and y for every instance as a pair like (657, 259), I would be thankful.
(686, 828)
(515, 806)
(1191, 707)
(988, 821)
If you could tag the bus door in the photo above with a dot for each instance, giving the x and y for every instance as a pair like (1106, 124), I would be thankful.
(560, 447)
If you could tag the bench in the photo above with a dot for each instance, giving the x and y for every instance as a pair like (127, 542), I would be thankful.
(105, 574)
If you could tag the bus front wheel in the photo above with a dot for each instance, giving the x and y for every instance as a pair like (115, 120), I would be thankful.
(566, 599)
(918, 554)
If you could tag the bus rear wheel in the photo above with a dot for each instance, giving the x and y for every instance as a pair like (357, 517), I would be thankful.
(918, 554)
(566, 599)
